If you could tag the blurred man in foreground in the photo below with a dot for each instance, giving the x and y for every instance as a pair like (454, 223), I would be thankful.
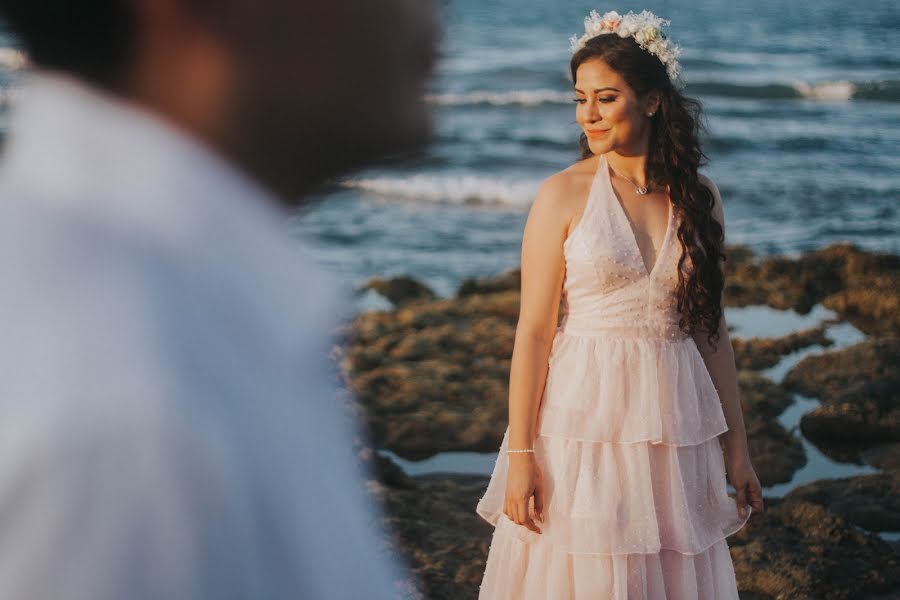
(168, 422)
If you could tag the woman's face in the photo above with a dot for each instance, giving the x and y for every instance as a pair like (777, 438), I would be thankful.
(609, 113)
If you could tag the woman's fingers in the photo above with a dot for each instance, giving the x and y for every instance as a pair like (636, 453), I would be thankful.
(524, 483)
(512, 512)
(756, 497)
(522, 509)
(741, 499)
(515, 515)
(539, 497)
(518, 513)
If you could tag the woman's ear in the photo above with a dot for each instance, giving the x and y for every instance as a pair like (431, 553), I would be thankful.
(653, 101)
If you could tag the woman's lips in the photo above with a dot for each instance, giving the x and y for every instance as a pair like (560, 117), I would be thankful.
(596, 132)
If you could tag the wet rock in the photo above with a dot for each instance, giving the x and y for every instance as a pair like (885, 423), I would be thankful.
(859, 388)
(863, 287)
(869, 501)
(830, 374)
(429, 523)
(867, 412)
(761, 397)
(399, 290)
(873, 307)
(799, 550)
(505, 282)
(882, 456)
(433, 376)
(383, 469)
(435, 529)
(434, 407)
(761, 353)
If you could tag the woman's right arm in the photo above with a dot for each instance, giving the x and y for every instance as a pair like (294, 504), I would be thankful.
(543, 270)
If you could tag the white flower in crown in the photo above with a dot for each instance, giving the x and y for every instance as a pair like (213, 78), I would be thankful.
(645, 28)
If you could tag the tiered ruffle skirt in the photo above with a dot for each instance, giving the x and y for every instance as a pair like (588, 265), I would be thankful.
(636, 495)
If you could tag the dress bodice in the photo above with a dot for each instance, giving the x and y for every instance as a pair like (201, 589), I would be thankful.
(607, 286)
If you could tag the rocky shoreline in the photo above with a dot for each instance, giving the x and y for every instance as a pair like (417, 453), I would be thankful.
(431, 376)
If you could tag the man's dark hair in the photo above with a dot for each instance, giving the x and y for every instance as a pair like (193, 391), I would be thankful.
(93, 39)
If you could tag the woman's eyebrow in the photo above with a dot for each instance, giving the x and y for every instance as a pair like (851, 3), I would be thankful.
(600, 89)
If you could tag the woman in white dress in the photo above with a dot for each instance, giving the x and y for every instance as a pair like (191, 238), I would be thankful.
(611, 481)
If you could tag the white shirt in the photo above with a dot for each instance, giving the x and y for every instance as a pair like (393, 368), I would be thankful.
(169, 427)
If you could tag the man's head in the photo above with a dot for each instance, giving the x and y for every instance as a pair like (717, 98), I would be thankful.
(293, 91)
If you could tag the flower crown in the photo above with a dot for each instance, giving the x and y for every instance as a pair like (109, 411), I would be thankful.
(645, 28)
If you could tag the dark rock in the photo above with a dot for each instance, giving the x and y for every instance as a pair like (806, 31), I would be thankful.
(867, 412)
(801, 551)
(416, 412)
(776, 453)
(859, 388)
(435, 529)
(400, 290)
(883, 456)
(761, 397)
(869, 501)
(505, 282)
(761, 353)
(831, 374)
(873, 307)
(863, 287)
(384, 469)
(433, 376)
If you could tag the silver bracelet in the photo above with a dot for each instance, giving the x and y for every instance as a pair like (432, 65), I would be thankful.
(528, 450)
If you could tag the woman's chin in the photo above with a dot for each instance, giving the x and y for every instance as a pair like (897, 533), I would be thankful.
(598, 147)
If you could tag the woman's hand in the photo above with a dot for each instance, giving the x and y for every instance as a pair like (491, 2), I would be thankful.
(746, 485)
(524, 480)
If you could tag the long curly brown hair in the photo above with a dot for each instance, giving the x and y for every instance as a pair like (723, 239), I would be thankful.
(674, 157)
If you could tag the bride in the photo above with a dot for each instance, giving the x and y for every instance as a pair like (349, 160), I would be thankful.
(611, 481)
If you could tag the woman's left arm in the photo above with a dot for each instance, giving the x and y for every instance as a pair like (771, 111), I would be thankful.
(722, 369)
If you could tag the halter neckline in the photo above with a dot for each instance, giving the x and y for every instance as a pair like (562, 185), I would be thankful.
(603, 173)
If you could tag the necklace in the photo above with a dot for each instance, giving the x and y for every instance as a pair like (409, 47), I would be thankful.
(640, 189)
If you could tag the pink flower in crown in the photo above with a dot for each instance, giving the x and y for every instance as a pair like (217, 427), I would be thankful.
(610, 20)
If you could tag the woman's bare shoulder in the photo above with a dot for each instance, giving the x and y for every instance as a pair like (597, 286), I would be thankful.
(564, 191)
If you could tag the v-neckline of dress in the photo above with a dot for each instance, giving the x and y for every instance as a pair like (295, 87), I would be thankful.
(623, 216)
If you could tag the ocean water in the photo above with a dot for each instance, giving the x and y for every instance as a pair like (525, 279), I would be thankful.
(802, 102)
(801, 99)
